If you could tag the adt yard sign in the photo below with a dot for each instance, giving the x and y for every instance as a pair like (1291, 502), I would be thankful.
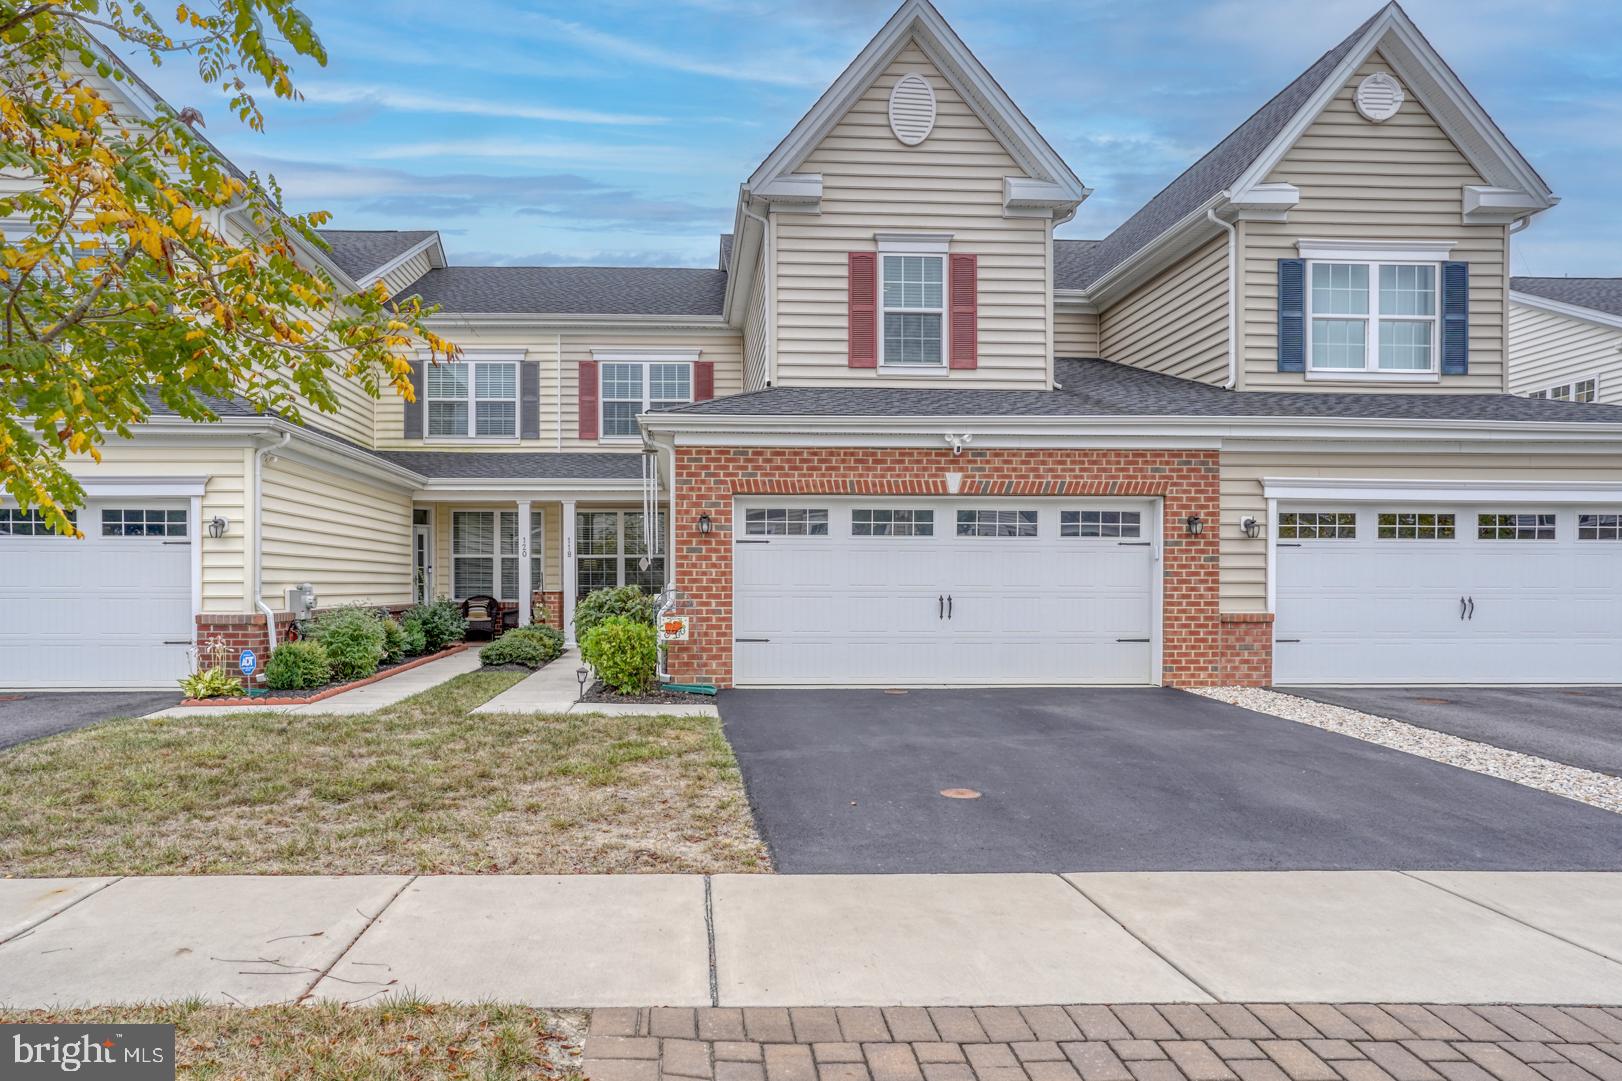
(247, 662)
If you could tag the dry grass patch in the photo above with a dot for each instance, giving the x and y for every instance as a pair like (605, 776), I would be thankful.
(400, 1041)
(422, 787)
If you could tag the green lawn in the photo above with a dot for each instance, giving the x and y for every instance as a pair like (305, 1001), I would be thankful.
(402, 1041)
(422, 787)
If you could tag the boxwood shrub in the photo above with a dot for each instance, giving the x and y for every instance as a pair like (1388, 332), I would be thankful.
(528, 646)
(297, 665)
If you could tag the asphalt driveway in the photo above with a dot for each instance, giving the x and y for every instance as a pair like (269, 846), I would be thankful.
(1112, 779)
(26, 715)
(1580, 726)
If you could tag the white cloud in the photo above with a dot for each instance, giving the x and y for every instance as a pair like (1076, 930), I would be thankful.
(387, 97)
(663, 159)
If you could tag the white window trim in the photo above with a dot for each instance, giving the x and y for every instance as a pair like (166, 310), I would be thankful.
(934, 247)
(472, 362)
(1375, 251)
(1371, 321)
(1547, 392)
(646, 358)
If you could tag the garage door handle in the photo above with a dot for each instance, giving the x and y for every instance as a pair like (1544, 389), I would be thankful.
(1462, 609)
(948, 606)
(940, 606)
(751, 639)
(1472, 608)
(177, 641)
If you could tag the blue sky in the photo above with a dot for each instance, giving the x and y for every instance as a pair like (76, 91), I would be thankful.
(617, 132)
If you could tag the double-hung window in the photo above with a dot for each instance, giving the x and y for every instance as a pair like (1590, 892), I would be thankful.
(912, 299)
(474, 399)
(632, 387)
(1372, 317)
(484, 553)
(609, 548)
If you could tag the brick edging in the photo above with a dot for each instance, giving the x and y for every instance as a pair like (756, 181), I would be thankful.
(330, 691)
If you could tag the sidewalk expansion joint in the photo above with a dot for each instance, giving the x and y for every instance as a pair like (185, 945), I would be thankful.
(350, 945)
(709, 933)
(37, 924)
(1511, 917)
(1139, 939)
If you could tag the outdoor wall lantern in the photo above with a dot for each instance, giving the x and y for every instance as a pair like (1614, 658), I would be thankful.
(216, 527)
(1193, 524)
(1252, 527)
(705, 526)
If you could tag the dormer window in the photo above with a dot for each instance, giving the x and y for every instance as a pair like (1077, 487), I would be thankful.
(913, 295)
(1372, 317)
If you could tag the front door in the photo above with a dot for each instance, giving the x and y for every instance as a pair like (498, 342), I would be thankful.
(422, 563)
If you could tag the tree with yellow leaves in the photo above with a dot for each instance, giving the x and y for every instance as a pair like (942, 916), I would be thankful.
(137, 265)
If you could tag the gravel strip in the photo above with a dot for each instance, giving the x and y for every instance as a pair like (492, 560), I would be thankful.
(1585, 786)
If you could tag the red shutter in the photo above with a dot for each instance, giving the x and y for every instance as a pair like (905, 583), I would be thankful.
(703, 380)
(589, 395)
(863, 268)
(965, 311)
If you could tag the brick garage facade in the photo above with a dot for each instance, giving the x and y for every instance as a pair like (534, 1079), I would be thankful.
(1196, 641)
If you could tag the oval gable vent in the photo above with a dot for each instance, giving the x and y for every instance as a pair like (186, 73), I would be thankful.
(912, 109)
(1379, 97)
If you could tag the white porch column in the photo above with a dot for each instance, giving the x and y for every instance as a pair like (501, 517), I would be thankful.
(567, 531)
(525, 590)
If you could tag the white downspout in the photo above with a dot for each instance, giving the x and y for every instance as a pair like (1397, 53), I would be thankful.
(259, 534)
(769, 269)
(1233, 297)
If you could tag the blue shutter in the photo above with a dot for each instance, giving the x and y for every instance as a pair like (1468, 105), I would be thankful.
(1455, 318)
(1292, 315)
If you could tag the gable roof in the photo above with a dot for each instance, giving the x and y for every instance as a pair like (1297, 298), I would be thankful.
(360, 252)
(1597, 294)
(917, 20)
(574, 290)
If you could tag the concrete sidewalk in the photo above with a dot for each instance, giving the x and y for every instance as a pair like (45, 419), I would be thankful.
(555, 689)
(759, 940)
(367, 699)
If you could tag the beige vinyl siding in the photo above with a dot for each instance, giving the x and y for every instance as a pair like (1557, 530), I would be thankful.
(756, 336)
(225, 495)
(552, 543)
(349, 539)
(407, 272)
(1399, 180)
(1075, 334)
(1177, 322)
(1547, 348)
(560, 406)
(952, 182)
(1244, 561)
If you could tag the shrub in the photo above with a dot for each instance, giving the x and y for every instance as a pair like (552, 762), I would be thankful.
(626, 602)
(295, 665)
(625, 654)
(394, 642)
(441, 622)
(528, 646)
(412, 635)
(211, 683)
(353, 638)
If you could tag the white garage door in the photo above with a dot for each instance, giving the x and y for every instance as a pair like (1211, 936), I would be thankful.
(111, 610)
(1448, 594)
(944, 592)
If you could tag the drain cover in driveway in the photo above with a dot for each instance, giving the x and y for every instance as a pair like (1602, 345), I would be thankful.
(960, 793)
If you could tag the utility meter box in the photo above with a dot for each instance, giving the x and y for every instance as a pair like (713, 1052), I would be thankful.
(301, 600)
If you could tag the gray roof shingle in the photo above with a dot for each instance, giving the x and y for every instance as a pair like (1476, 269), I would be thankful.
(1600, 294)
(1071, 259)
(572, 290)
(1220, 167)
(1102, 388)
(361, 251)
(516, 465)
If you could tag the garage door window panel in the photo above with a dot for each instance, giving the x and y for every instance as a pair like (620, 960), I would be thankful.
(1599, 527)
(996, 523)
(143, 522)
(1515, 527)
(786, 522)
(27, 523)
(1417, 525)
(892, 523)
(1317, 525)
(1101, 524)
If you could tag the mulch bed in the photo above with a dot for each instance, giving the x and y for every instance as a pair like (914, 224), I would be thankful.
(600, 693)
(302, 695)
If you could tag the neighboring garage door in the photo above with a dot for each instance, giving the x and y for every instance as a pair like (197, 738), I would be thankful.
(944, 592)
(1448, 594)
(111, 610)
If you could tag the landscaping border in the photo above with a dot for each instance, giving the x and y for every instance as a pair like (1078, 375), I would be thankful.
(268, 700)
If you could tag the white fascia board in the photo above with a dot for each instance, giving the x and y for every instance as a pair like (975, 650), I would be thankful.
(918, 19)
(1436, 87)
(406, 256)
(1412, 251)
(308, 444)
(1409, 490)
(472, 320)
(485, 489)
(1074, 301)
(1571, 311)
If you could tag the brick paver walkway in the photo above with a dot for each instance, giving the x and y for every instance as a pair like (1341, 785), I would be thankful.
(1227, 1042)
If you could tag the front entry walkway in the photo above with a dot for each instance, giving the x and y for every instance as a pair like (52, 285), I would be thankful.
(852, 781)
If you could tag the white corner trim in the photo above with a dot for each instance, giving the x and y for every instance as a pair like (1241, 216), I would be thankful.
(936, 243)
(1572, 311)
(1435, 491)
(1377, 251)
(670, 356)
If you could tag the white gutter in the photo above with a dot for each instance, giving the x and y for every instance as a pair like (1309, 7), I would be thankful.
(1233, 297)
(259, 536)
(471, 320)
